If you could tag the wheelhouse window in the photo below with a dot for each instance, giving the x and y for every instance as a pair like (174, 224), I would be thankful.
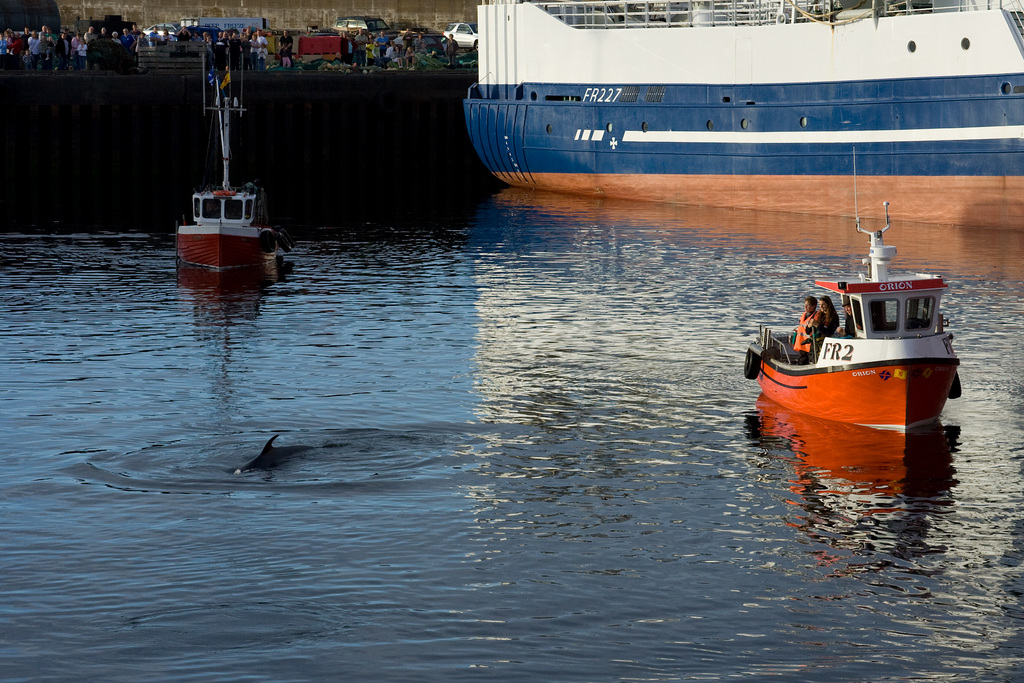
(233, 209)
(196, 205)
(211, 208)
(858, 314)
(248, 209)
(885, 315)
(920, 313)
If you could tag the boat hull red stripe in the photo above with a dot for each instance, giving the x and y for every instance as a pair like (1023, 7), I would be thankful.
(217, 250)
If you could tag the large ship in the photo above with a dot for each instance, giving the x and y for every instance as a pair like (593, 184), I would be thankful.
(789, 105)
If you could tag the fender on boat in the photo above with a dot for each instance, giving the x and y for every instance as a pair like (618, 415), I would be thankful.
(284, 239)
(751, 365)
(955, 389)
(268, 243)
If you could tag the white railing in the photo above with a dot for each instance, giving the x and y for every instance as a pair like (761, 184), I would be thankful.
(608, 14)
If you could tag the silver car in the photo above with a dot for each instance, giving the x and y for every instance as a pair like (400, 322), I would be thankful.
(465, 35)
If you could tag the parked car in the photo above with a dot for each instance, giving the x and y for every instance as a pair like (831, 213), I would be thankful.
(434, 42)
(371, 24)
(465, 35)
(161, 29)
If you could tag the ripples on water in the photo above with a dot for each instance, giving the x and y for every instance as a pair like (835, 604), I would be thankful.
(529, 454)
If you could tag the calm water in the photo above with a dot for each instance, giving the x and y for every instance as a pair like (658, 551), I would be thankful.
(530, 454)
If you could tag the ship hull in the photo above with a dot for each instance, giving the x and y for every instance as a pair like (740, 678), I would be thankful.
(954, 200)
(222, 247)
(792, 117)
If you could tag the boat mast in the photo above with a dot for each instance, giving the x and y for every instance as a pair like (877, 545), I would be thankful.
(880, 253)
(224, 119)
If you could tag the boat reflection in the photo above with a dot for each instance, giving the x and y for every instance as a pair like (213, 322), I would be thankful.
(224, 296)
(866, 495)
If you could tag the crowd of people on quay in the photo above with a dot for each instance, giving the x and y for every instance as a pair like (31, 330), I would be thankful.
(247, 49)
(59, 50)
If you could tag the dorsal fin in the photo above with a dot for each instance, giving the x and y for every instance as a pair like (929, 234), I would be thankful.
(269, 447)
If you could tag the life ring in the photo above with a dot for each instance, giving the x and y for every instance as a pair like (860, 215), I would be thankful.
(955, 390)
(223, 193)
(751, 365)
(267, 242)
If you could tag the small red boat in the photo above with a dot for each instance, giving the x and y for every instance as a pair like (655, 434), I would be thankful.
(230, 227)
(896, 371)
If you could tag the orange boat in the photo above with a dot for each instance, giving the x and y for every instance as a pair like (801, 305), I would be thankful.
(895, 372)
(230, 227)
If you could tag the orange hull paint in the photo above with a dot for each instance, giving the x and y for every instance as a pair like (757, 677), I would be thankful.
(903, 393)
(993, 201)
(222, 251)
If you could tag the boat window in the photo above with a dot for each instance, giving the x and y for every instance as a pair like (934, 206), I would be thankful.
(858, 315)
(248, 209)
(233, 209)
(919, 313)
(211, 207)
(885, 315)
(195, 207)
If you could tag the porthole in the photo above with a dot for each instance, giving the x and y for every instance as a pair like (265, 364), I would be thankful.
(744, 123)
(965, 44)
(608, 127)
(643, 126)
(911, 46)
(549, 129)
(711, 124)
(533, 95)
(803, 121)
(1007, 88)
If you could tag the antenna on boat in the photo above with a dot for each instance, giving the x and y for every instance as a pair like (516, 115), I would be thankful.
(856, 211)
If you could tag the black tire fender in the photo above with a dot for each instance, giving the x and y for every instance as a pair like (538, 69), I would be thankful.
(284, 239)
(955, 390)
(268, 243)
(751, 365)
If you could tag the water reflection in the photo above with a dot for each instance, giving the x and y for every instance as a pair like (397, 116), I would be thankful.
(226, 296)
(225, 306)
(867, 496)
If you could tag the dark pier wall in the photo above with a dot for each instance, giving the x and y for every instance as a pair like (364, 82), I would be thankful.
(126, 151)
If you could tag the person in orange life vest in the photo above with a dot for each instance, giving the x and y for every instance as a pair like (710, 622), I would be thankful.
(804, 329)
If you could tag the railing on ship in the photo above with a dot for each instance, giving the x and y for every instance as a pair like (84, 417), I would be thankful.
(607, 14)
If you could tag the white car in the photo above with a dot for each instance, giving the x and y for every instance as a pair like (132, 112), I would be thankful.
(162, 29)
(465, 35)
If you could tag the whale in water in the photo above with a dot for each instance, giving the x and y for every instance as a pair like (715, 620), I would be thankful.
(270, 457)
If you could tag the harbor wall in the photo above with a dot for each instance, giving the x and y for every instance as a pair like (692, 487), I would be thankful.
(126, 151)
(281, 14)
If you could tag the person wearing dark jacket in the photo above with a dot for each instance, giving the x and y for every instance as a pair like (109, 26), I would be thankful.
(63, 51)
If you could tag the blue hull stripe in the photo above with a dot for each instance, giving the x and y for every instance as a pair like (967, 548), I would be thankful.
(963, 126)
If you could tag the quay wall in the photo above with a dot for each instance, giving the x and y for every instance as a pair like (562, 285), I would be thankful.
(127, 151)
(281, 14)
